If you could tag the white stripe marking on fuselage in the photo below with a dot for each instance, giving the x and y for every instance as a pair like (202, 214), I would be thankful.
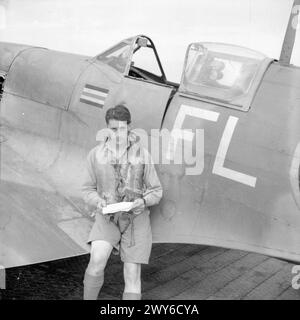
(95, 92)
(92, 99)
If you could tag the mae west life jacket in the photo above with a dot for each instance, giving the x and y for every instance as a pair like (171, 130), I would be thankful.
(121, 181)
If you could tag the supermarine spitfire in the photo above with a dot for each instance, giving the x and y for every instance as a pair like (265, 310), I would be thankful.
(236, 109)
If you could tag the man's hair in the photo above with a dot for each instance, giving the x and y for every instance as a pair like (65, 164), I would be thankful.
(119, 112)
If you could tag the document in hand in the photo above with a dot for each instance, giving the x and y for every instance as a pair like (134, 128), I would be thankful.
(116, 207)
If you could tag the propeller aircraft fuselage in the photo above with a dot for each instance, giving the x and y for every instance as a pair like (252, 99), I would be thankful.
(225, 141)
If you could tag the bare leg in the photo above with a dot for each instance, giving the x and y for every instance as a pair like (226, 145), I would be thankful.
(94, 274)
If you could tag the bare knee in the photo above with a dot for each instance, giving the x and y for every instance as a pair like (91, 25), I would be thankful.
(100, 253)
(96, 265)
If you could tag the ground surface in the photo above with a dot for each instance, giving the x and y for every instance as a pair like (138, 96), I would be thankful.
(176, 271)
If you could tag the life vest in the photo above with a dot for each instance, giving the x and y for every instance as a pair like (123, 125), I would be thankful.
(121, 181)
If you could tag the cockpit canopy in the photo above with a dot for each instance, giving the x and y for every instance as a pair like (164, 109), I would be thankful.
(225, 74)
(135, 57)
(219, 73)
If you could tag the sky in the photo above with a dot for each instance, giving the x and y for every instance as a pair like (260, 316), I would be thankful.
(90, 26)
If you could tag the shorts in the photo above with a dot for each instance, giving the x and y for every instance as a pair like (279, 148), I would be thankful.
(134, 243)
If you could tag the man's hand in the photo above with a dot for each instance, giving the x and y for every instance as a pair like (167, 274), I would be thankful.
(138, 206)
(100, 205)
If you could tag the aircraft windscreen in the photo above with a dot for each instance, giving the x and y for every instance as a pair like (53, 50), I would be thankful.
(221, 72)
(117, 56)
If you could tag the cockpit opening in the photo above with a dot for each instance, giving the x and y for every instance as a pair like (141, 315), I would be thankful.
(137, 58)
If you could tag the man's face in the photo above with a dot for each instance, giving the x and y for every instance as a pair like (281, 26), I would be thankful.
(119, 132)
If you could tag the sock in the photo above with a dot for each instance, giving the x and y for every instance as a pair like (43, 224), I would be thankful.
(131, 296)
(92, 286)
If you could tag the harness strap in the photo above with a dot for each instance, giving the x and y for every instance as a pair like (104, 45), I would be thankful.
(116, 218)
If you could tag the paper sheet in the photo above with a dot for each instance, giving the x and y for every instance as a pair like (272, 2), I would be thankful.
(115, 207)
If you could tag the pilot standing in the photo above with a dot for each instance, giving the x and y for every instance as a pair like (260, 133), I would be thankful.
(119, 169)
